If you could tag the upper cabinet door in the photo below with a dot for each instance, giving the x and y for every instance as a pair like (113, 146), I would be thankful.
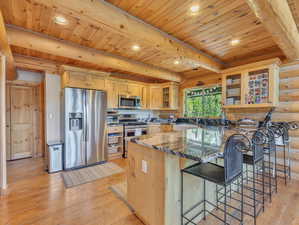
(156, 98)
(122, 87)
(98, 82)
(134, 90)
(77, 80)
(251, 86)
(112, 94)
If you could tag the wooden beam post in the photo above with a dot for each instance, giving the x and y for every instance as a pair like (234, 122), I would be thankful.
(45, 44)
(3, 179)
(117, 20)
(5, 49)
(278, 20)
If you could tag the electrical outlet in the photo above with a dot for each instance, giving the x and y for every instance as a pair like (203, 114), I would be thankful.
(144, 166)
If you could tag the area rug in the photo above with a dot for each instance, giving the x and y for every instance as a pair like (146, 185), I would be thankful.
(120, 190)
(85, 175)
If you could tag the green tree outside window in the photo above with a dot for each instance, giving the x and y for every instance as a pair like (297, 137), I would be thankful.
(203, 102)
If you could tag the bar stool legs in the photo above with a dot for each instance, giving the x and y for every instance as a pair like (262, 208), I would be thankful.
(223, 200)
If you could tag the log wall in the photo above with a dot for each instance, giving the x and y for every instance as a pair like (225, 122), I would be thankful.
(287, 110)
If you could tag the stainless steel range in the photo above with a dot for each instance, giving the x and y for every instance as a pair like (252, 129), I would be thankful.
(132, 128)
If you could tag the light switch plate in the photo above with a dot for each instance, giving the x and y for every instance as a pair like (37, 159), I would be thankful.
(144, 166)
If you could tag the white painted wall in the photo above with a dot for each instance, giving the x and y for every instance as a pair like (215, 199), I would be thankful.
(53, 107)
(30, 76)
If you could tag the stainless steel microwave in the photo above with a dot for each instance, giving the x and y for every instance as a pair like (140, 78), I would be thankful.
(129, 102)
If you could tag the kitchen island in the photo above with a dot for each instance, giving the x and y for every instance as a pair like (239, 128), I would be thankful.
(154, 175)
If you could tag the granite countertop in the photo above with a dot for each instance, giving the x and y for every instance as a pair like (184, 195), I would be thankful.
(199, 144)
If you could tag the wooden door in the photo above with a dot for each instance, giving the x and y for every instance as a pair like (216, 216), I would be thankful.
(21, 122)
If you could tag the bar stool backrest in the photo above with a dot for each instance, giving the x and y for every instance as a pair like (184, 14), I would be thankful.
(233, 158)
(271, 139)
(258, 145)
(285, 134)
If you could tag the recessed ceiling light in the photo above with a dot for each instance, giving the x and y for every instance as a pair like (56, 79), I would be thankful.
(136, 47)
(235, 42)
(60, 20)
(176, 62)
(194, 8)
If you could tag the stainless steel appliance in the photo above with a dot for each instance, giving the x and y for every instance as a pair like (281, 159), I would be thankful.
(85, 127)
(129, 102)
(132, 128)
(54, 156)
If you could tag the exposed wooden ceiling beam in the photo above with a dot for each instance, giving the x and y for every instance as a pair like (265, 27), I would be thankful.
(35, 41)
(6, 51)
(120, 21)
(278, 20)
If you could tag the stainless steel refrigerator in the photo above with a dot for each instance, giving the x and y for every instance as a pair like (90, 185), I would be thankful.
(85, 127)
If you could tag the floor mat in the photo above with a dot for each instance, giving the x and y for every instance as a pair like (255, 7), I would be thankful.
(85, 175)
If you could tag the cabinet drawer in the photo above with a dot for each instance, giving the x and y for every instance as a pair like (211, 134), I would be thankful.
(116, 129)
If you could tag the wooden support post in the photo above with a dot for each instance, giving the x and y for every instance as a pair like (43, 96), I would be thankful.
(3, 179)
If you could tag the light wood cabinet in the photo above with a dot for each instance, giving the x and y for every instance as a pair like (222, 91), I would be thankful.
(82, 78)
(156, 97)
(116, 87)
(153, 96)
(164, 96)
(154, 128)
(115, 142)
(251, 86)
(112, 93)
(134, 90)
(98, 82)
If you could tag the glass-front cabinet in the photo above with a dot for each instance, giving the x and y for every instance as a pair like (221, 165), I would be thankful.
(252, 85)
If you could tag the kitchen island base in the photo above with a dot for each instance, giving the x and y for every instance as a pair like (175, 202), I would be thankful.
(154, 186)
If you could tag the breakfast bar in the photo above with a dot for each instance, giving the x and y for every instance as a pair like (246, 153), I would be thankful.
(155, 162)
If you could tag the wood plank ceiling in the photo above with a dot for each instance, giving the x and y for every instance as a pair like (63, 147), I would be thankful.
(210, 30)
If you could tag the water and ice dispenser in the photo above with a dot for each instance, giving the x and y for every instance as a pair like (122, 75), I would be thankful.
(76, 121)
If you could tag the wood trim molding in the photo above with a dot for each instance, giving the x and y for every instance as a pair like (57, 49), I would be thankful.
(36, 41)
(3, 173)
(35, 64)
(277, 18)
(253, 65)
(5, 49)
(118, 20)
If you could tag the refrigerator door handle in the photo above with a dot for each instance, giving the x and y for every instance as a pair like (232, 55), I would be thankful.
(85, 117)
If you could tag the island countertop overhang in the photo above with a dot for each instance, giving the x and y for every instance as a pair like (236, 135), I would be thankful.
(198, 144)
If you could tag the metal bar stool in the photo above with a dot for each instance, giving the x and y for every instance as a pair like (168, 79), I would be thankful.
(256, 160)
(270, 155)
(281, 131)
(219, 175)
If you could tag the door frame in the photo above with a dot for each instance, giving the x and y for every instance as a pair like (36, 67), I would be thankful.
(3, 166)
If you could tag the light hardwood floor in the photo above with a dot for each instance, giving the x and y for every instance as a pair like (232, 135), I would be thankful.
(34, 197)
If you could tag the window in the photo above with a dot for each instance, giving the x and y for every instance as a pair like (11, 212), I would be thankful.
(203, 102)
